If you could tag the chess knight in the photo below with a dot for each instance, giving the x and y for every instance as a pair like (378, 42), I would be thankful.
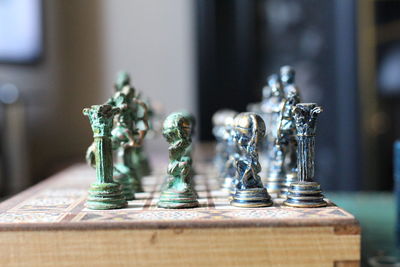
(249, 128)
(178, 191)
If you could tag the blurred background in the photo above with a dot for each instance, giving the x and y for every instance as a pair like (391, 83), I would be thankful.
(57, 57)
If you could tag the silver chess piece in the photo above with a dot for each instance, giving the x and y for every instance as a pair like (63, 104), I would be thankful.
(305, 193)
(275, 174)
(226, 147)
(249, 129)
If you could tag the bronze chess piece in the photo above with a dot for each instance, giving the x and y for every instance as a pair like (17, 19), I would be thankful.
(178, 190)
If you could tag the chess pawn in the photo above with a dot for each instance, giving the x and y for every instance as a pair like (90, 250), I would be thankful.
(104, 194)
(178, 191)
(226, 147)
(305, 193)
(249, 128)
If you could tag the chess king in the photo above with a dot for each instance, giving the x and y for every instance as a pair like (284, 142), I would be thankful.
(249, 128)
(104, 194)
(178, 191)
(127, 136)
(305, 193)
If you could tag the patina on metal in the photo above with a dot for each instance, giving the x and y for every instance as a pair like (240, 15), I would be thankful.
(305, 193)
(104, 194)
(178, 191)
(249, 128)
(226, 149)
(128, 135)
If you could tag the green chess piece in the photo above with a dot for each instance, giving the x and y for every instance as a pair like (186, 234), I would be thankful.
(128, 135)
(178, 191)
(104, 194)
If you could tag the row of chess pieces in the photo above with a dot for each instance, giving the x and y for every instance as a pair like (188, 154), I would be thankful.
(280, 127)
(275, 138)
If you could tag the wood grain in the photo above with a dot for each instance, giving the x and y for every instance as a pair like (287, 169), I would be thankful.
(275, 246)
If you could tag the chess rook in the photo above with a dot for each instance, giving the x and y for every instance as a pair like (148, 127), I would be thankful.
(305, 193)
(104, 194)
(249, 128)
(178, 191)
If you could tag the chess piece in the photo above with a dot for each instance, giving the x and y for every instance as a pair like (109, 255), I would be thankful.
(189, 151)
(287, 78)
(104, 194)
(132, 124)
(305, 193)
(225, 148)
(249, 128)
(140, 157)
(275, 175)
(288, 142)
(178, 191)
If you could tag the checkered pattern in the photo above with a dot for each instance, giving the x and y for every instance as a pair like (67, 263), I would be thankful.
(63, 199)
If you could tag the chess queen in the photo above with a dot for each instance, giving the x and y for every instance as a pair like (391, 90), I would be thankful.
(248, 129)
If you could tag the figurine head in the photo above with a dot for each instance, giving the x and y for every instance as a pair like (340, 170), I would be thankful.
(123, 80)
(177, 127)
(287, 75)
(248, 129)
(223, 121)
(277, 89)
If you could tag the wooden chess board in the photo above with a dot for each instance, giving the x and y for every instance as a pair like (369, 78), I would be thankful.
(51, 216)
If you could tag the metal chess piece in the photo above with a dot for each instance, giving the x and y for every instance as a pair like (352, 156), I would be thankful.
(263, 109)
(178, 191)
(132, 123)
(276, 173)
(226, 147)
(104, 194)
(249, 129)
(288, 142)
(305, 193)
(292, 95)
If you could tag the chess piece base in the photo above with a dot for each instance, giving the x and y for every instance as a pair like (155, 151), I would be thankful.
(127, 188)
(251, 198)
(275, 184)
(171, 199)
(305, 195)
(290, 178)
(105, 196)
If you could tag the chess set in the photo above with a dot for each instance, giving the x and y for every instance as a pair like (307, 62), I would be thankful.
(197, 209)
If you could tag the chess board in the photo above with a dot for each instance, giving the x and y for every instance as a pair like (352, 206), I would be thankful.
(57, 205)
